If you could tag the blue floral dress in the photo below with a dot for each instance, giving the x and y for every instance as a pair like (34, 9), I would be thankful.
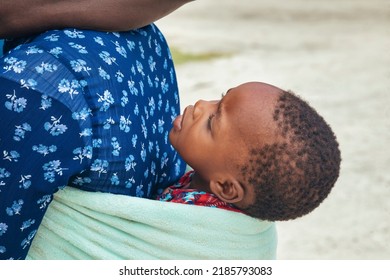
(86, 109)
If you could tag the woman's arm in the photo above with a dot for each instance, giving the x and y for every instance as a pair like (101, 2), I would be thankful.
(18, 19)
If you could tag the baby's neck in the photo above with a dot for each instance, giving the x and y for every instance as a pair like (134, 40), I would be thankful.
(199, 183)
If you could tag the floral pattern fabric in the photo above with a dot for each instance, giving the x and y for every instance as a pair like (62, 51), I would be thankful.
(86, 109)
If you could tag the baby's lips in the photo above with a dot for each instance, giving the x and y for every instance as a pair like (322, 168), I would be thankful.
(177, 123)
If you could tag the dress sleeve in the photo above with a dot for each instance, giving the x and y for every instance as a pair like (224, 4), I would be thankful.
(38, 137)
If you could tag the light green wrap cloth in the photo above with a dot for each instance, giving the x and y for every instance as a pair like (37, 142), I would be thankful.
(94, 225)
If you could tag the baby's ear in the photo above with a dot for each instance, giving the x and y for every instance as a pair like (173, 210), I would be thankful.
(227, 189)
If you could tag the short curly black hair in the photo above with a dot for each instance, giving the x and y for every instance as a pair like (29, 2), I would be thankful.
(294, 175)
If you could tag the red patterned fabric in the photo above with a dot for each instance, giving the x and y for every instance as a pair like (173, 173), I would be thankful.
(177, 194)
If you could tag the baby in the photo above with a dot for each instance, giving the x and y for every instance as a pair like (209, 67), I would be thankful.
(259, 150)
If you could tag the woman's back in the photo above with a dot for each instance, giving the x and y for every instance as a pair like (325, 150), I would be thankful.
(86, 109)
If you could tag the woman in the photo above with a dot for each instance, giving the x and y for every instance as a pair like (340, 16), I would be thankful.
(82, 108)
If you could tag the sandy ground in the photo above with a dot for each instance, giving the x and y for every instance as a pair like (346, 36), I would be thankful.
(336, 55)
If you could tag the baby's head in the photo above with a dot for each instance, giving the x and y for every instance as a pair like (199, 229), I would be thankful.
(260, 148)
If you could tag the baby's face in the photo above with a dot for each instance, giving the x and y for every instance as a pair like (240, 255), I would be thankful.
(213, 136)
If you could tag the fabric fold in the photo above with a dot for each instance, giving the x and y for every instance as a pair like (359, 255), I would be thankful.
(95, 225)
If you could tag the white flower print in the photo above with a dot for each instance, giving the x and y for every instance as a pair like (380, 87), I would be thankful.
(79, 48)
(132, 88)
(46, 67)
(12, 156)
(16, 208)
(152, 64)
(45, 102)
(44, 150)
(44, 201)
(25, 181)
(27, 241)
(55, 127)
(124, 124)
(86, 132)
(120, 49)
(115, 146)
(140, 67)
(14, 64)
(20, 131)
(74, 33)
(83, 114)
(52, 38)
(30, 83)
(100, 166)
(99, 40)
(80, 65)
(103, 74)
(106, 99)
(130, 163)
(33, 50)
(81, 153)
(107, 58)
(3, 228)
(130, 182)
(119, 76)
(130, 45)
(27, 224)
(14, 103)
(108, 122)
(52, 168)
(56, 51)
(71, 87)
(4, 174)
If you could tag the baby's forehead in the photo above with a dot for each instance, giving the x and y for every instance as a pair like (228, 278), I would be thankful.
(252, 115)
(256, 103)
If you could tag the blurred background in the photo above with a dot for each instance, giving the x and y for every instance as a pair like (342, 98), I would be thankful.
(335, 54)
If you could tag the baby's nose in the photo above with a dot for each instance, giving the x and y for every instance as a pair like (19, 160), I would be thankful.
(199, 107)
(203, 106)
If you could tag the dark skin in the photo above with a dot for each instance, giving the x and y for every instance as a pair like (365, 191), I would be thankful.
(18, 19)
(212, 137)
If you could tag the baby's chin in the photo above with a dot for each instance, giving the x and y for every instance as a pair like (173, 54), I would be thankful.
(175, 130)
(171, 137)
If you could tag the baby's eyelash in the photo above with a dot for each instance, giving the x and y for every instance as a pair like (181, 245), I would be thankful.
(213, 115)
(209, 120)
